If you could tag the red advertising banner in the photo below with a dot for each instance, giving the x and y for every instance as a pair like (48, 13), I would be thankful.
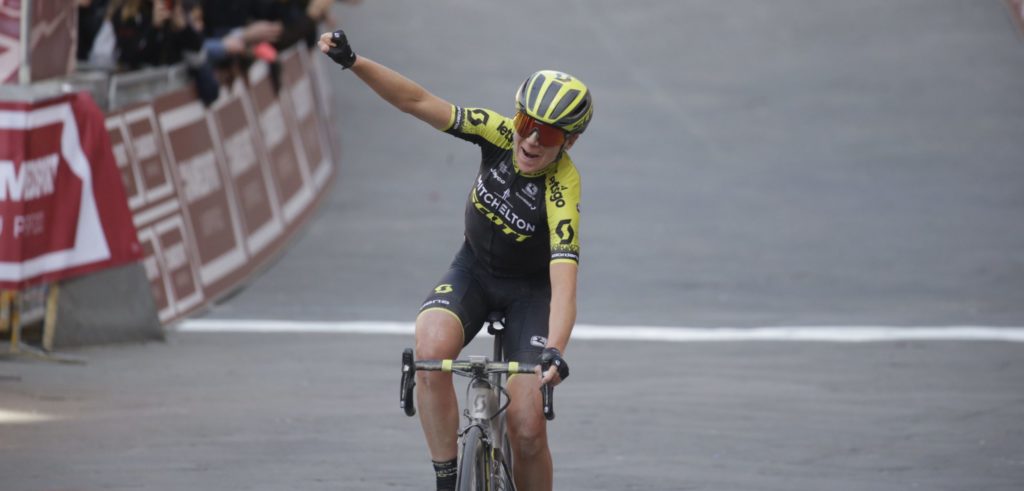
(63, 207)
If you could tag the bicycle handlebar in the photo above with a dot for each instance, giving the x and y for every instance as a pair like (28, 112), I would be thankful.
(470, 368)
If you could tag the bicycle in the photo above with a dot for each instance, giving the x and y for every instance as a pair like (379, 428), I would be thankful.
(483, 465)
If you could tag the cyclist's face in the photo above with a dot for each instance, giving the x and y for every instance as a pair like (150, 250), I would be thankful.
(531, 156)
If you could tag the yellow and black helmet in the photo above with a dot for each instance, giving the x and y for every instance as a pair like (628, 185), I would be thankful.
(556, 98)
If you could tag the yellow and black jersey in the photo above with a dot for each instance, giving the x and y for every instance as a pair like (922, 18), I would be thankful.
(516, 223)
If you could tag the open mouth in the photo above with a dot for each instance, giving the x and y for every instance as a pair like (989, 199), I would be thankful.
(528, 154)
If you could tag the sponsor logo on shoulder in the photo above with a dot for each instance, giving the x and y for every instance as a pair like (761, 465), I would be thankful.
(565, 232)
(556, 191)
(477, 117)
(505, 131)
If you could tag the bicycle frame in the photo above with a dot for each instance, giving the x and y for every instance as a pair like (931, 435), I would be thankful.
(483, 410)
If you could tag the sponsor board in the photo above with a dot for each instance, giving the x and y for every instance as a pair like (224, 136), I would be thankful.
(149, 155)
(38, 40)
(63, 208)
(248, 171)
(206, 198)
(291, 176)
(11, 51)
(216, 192)
(301, 99)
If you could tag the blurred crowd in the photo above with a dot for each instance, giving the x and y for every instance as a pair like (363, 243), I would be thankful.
(215, 38)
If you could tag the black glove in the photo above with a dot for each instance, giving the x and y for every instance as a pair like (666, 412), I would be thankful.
(341, 53)
(551, 356)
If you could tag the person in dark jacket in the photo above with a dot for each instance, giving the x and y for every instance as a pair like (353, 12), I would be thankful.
(153, 32)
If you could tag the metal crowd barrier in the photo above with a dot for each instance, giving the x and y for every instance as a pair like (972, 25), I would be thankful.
(142, 85)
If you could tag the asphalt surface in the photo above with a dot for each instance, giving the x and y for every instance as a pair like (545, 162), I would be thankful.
(750, 164)
(276, 411)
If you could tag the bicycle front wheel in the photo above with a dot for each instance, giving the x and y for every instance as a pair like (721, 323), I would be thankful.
(473, 464)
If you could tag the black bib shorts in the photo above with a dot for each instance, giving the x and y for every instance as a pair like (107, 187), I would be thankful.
(469, 292)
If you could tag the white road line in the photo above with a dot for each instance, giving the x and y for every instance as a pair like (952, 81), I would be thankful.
(9, 416)
(829, 334)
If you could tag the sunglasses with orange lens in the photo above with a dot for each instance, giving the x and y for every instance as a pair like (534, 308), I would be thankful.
(548, 136)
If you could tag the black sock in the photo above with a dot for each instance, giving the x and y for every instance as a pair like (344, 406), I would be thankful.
(446, 473)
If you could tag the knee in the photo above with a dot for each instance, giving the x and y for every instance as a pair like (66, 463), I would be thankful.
(431, 380)
(438, 336)
(433, 348)
(528, 437)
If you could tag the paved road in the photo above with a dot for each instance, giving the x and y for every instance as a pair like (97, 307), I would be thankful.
(317, 412)
(752, 163)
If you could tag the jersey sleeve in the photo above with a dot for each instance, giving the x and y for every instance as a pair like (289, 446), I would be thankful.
(483, 127)
(563, 210)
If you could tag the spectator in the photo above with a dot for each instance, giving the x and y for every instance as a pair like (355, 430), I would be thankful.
(299, 18)
(234, 26)
(231, 27)
(140, 33)
(152, 32)
(91, 14)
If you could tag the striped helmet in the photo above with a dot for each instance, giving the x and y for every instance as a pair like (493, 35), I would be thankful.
(556, 98)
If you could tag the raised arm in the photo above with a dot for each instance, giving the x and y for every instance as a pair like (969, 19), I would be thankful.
(404, 94)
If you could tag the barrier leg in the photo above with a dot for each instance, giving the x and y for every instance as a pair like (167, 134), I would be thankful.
(15, 326)
(45, 352)
(50, 319)
(5, 310)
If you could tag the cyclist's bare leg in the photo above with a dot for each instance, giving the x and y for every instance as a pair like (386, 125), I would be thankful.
(438, 336)
(528, 435)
